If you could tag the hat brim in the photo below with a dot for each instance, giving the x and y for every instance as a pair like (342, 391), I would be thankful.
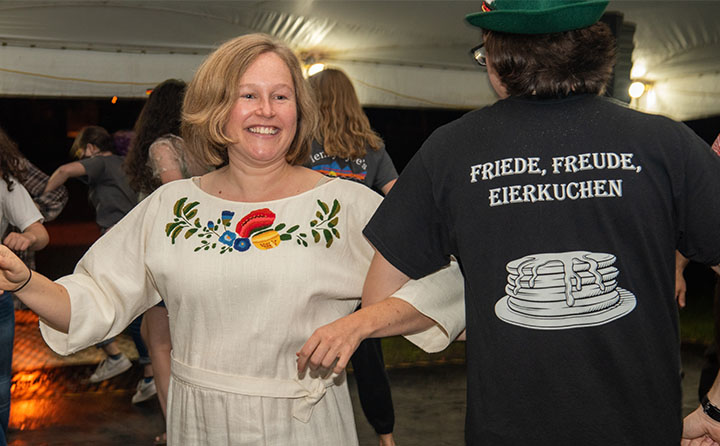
(551, 20)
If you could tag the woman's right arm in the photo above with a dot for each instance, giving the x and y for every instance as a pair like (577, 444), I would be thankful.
(49, 300)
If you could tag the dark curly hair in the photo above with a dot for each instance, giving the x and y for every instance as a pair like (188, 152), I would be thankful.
(12, 163)
(553, 65)
(160, 116)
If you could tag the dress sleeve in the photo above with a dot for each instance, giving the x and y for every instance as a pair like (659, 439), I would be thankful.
(441, 297)
(110, 286)
(409, 229)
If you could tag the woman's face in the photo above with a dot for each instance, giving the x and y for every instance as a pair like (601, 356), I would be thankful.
(263, 120)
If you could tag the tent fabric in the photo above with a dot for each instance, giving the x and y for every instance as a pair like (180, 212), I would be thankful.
(400, 53)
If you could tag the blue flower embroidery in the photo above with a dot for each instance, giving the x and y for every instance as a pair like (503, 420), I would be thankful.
(211, 225)
(226, 217)
(242, 244)
(228, 238)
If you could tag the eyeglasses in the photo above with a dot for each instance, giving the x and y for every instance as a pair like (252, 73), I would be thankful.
(478, 55)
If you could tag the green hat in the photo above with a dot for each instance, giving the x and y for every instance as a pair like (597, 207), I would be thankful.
(537, 16)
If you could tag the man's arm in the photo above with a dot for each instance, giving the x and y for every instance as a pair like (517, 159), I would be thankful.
(680, 286)
(63, 173)
(698, 423)
(378, 317)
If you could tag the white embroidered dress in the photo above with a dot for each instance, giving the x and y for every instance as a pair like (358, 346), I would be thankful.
(245, 285)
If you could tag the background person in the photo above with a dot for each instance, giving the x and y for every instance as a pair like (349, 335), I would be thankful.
(110, 195)
(49, 204)
(18, 209)
(568, 259)
(158, 156)
(248, 258)
(345, 146)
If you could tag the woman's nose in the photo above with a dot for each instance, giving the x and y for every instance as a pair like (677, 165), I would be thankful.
(265, 107)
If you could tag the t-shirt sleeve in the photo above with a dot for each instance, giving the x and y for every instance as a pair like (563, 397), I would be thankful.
(94, 168)
(19, 208)
(698, 202)
(110, 286)
(408, 228)
(386, 170)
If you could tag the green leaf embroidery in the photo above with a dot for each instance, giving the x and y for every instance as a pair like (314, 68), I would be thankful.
(175, 233)
(316, 235)
(178, 206)
(190, 232)
(190, 206)
(286, 237)
(280, 227)
(260, 230)
(335, 209)
(336, 232)
(324, 207)
(292, 229)
(333, 222)
(328, 238)
(170, 227)
(319, 215)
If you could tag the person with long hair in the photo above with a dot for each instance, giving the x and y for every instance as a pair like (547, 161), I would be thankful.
(17, 209)
(249, 259)
(345, 146)
(157, 156)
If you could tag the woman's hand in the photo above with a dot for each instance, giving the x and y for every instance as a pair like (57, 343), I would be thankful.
(13, 271)
(18, 242)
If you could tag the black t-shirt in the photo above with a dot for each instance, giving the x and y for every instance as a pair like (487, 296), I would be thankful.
(564, 216)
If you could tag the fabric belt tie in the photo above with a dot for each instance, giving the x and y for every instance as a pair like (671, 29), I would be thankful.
(306, 392)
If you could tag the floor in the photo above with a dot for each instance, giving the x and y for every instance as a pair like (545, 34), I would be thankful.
(55, 405)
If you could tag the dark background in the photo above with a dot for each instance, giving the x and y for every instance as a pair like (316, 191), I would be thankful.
(44, 130)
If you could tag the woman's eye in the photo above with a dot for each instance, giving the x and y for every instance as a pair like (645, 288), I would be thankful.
(247, 96)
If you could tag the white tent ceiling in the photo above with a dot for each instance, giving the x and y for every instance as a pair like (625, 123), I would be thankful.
(400, 53)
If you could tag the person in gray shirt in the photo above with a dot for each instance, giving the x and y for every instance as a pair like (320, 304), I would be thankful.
(100, 167)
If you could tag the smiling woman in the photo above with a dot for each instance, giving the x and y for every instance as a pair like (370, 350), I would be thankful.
(263, 120)
(249, 260)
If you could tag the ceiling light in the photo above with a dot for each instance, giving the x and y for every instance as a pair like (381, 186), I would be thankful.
(315, 68)
(636, 89)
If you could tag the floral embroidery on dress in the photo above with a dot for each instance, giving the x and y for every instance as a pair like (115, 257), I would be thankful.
(256, 229)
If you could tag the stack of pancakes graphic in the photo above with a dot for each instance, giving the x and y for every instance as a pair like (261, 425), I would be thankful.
(563, 290)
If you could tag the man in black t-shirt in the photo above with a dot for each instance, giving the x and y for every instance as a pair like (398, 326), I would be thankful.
(564, 210)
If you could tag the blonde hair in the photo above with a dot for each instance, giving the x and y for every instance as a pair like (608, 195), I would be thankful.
(344, 129)
(211, 94)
